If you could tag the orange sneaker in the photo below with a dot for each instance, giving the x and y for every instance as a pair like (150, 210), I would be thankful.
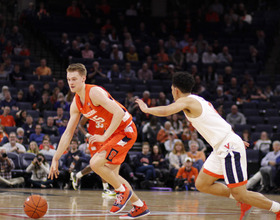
(121, 199)
(137, 212)
(277, 215)
(245, 210)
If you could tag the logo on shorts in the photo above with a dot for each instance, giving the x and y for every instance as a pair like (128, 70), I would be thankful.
(112, 154)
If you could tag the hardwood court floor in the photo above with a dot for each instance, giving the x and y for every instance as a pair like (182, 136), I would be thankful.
(86, 204)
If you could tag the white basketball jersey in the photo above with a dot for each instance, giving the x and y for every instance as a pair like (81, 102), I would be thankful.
(210, 124)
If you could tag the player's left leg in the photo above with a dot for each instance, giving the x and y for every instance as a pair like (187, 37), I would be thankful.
(140, 208)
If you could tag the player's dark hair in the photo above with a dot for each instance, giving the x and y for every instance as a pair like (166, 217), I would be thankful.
(183, 81)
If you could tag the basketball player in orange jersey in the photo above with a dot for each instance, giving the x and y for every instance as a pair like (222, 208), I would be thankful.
(120, 134)
(94, 128)
(228, 158)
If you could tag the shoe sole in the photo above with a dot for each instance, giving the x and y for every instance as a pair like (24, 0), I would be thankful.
(128, 217)
(129, 197)
(247, 213)
(73, 184)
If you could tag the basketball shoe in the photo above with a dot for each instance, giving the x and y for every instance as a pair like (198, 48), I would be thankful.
(245, 210)
(121, 200)
(108, 193)
(277, 215)
(75, 180)
(137, 212)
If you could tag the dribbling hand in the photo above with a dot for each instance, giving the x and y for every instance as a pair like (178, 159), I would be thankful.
(142, 105)
(54, 170)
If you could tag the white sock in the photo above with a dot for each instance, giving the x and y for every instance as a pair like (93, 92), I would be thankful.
(120, 189)
(105, 186)
(231, 197)
(79, 175)
(138, 203)
(275, 207)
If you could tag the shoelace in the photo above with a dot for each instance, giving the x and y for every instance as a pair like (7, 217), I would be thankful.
(118, 199)
(135, 209)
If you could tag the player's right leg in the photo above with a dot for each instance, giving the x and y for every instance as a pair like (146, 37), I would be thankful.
(75, 177)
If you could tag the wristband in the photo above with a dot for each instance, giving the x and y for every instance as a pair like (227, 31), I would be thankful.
(88, 135)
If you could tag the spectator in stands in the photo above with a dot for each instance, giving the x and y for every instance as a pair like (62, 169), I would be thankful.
(4, 90)
(3, 73)
(74, 50)
(87, 53)
(144, 73)
(6, 119)
(62, 126)
(20, 118)
(26, 69)
(212, 16)
(40, 169)
(162, 100)
(71, 162)
(220, 97)
(132, 55)
(8, 66)
(73, 10)
(9, 101)
(114, 73)
(44, 104)
(15, 36)
(95, 72)
(43, 69)
(246, 136)
(20, 96)
(150, 131)
(62, 87)
(208, 57)
(263, 144)
(198, 157)
(28, 126)
(37, 136)
(103, 51)
(192, 56)
(258, 95)
(13, 146)
(267, 172)
(200, 44)
(201, 145)
(113, 36)
(185, 41)
(61, 102)
(170, 142)
(128, 74)
(42, 13)
(177, 157)
(177, 58)
(224, 56)
(59, 116)
(3, 136)
(46, 137)
(24, 51)
(64, 43)
(186, 176)
(16, 75)
(33, 148)
(142, 163)
(50, 128)
(186, 135)
(162, 57)
(47, 150)
(104, 7)
(116, 54)
(244, 95)
(235, 117)
(7, 165)
(157, 159)
(177, 125)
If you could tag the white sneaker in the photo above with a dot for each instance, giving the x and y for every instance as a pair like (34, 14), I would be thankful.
(107, 192)
(75, 180)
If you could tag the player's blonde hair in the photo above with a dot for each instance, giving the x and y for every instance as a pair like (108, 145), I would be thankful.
(79, 67)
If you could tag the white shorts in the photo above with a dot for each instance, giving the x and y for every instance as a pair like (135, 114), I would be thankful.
(228, 161)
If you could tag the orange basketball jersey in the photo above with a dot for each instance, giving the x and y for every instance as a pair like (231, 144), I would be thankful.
(100, 115)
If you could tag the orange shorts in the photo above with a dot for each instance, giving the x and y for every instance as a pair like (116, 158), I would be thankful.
(119, 144)
(93, 148)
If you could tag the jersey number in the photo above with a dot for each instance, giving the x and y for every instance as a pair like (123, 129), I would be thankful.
(98, 121)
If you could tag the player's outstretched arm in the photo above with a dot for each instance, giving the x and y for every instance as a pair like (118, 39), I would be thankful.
(163, 111)
(65, 139)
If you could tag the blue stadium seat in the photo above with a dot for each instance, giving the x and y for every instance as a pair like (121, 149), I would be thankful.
(26, 159)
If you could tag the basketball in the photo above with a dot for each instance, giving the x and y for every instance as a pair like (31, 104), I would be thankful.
(35, 206)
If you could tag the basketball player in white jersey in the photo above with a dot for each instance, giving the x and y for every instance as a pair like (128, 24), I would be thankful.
(228, 158)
